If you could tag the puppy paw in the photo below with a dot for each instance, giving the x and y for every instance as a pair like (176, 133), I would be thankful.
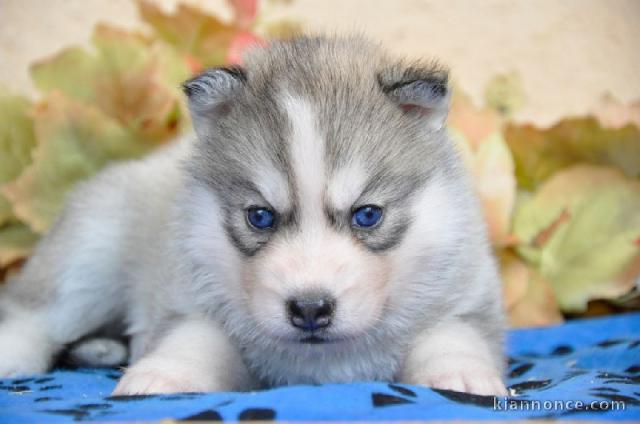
(23, 351)
(149, 382)
(11, 367)
(164, 376)
(460, 373)
(98, 352)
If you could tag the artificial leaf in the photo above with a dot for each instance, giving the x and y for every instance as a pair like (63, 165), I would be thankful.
(242, 43)
(613, 114)
(630, 300)
(492, 166)
(199, 37)
(505, 93)
(16, 142)
(16, 242)
(121, 50)
(529, 299)
(539, 153)
(475, 124)
(244, 12)
(476, 132)
(142, 104)
(127, 78)
(70, 71)
(581, 230)
(75, 140)
(283, 29)
(496, 185)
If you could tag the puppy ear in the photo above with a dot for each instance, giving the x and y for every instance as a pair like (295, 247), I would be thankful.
(419, 90)
(211, 92)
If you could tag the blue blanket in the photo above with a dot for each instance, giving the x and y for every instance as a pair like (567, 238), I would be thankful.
(587, 369)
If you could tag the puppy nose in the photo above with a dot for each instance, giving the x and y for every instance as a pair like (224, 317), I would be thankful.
(310, 314)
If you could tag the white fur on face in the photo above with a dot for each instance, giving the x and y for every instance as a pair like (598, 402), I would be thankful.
(346, 185)
(274, 188)
(420, 265)
(206, 243)
(206, 238)
(436, 225)
(307, 156)
(324, 262)
(316, 257)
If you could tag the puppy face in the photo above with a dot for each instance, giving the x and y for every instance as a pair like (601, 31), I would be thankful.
(324, 189)
(316, 254)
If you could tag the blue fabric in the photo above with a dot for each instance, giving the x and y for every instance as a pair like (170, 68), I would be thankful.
(595, 361)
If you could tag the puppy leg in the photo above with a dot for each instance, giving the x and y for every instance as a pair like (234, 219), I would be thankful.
(32, 334)
(454, 356)
(194, 356)
(25, 348)
(61, 295)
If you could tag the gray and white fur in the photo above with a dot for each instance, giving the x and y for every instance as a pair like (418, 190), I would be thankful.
(311, 129)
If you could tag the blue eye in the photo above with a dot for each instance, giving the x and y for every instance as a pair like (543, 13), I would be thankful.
(260, 218)
(366, 216)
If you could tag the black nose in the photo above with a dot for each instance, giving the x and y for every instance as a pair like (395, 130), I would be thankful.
(311, 314)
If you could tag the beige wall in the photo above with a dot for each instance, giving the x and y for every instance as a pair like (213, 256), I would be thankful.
(569, 52)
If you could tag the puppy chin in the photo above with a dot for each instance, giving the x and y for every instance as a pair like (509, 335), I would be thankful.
(325, 343)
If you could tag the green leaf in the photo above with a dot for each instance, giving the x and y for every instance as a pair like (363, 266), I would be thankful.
(505, 93)
(202, 38)
(16, 142)
(539, 153)
(496, 186)
(128, 77)
(529, 298)
(75, 141)
(69, 71)
(16, 242)
(475, 124)
(581, 230)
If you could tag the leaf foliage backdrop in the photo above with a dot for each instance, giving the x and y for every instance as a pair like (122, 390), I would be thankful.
(562, 204)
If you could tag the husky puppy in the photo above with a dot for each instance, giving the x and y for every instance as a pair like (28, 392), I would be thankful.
(318, 227)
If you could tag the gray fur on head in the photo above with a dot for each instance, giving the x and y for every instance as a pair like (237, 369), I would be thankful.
(346, 91)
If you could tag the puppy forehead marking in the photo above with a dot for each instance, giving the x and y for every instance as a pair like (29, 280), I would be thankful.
(346, 185)
(274, 187)
(307, 153)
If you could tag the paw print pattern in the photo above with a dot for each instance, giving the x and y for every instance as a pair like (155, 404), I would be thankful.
(561, 371)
